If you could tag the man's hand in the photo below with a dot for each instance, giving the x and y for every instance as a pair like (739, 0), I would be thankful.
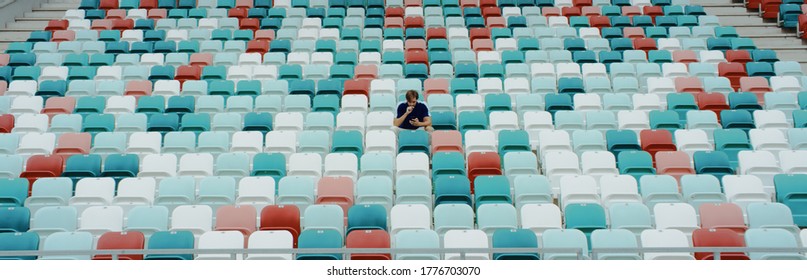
(415, 122)
(409, 109)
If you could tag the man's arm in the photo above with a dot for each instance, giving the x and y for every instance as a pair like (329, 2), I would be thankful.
(427, 121)
(398, 121)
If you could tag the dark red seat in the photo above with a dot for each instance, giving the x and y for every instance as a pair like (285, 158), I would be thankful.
(571, 11)
(581, 3)
(599, 21)
(282, 217)
(656, 140)
(357, 86)
(59, 105)
(395, 12)
(126, 240)
(258, 46)
(54, 25)
(753, 4)
(417, 56)
(73, 144)
(483, 163)
(414, 22)
(715, 102)
(718, 238)
(239, 218)
(122, 24)
(487, 3)
(239, 13)
(689, 84)
(188, 72)
(374, 239)
(722, 216)
(42, 166)
(802, 25)
(436, 33)
(479, 33)
(645, 44)
(491, 12)
(6, 123)
(770, 8)
(653, 11)
(676, 164)
(738, 56)
(108, 4)
(250, 23)
(732, 71)
(148, 4)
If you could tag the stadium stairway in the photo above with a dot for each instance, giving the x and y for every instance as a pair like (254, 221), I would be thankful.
(766, 34)
(37, 19)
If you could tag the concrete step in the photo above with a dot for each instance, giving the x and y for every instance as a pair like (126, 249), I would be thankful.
(56, 6)
(43, 15)
(14, 36)
(26, 26)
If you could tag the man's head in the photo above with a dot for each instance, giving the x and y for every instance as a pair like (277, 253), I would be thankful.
(411, 98)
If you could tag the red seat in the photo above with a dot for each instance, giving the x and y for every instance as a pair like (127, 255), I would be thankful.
(478, 33)
(395, 12)
(265, 35)
(770, 8)
(240, 218)
(435, 86)
(393, 22)
(483, 163)
(446, 141)
(571, 11)
(491, 12)
(738, 56)
(633, 33)
(802, 25)
(581, 3)
(689, 84)
(718, 238)
(244, 4)
(239, 13)
(436, 33)
(148, 4)
(416, 56)
(685, 56)
(188, 72)
(365, 71)
(281, 217)
(415, 45)
(6, 123)
(487, 3)
(250, 23)
(467, 3)
(753, 4)
(656, 140)
(481, 45)
(550, 11)
(591, 11)
(157, 13)
(335, 190)
(108, 4)
(102, 24)
(201, 59)
(644, 44)
(733, 71)
(599, 21)
(59, 105)
(414, 22)
(138, 88)
(42, 166)
(676, 164)
(73, 144)
(127, 240)
(64, 35)
(715, 102)
(357, 86)
(258, 46)
(653, 11)
(116, 14)
(495, 22)
(413, 3)
(122, 24)
(374, 239)
(757, 85)
(631, 11)
(54, 25)
(722, 216)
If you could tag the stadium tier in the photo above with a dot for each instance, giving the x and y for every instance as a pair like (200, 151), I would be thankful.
(557, 124)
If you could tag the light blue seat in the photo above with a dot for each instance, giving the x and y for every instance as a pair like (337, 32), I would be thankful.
(324, 217)
(618, 101)
(377, 164)
(179, 142)
(130, 123)
(109, 143)
(314, 142)
(68, 241)
(496, 216)
(216, 192)
(417, 239)
(453, 217)
(520, 163)
(232, 164)
(701, 189)
(659, 189)
(176, 191)
(587, 140)
(296, 190)
(613, 239)
(53, 219)
(771, 238)
(570, 239)
(413, 189)
(374, 190)
(634, 217)
(771, 215)
(147, 219)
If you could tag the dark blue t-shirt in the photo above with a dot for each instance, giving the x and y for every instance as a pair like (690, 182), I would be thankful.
(420, 112)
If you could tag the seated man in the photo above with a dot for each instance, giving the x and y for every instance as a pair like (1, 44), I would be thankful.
(413, 114)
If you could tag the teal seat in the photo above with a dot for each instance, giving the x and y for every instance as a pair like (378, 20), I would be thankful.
(170, 240)
(19, 241)
(714, 163)
(366, 217)
(119, 166)
(789, 192)
(731, 142)
(13, 192)
(258, 122)
(635, 163)
(81, 166)
(472, 120)
(448, 164)
(413, 141)
(196, 123)
(89, 105)
(515, 238)
(163, 123)
(452, 189)
(14, 219)
(95, 123)
(491, 189)
(272, 164)
(586, 217)
(497, 102)
(619, 141)
(320, 239)
(348, 141)
(668, 120)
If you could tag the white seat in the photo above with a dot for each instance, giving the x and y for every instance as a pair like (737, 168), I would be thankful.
(480, 141)
(158, 166)
(342, 165)
(711, 57)
(382, 86)
(100, 219)
(772, 140)
(410, 216)
(264, 72)
(36, 143)
(152, 59)
(771, 119)
(503, 120)
(674, 70)
(298, 58)
(21, 88)
(516, 86)
(577, 189)
(256, 191)
(197, 219)
(761, 164)
(53, 73)
(619, 189)
(647, 102)
(457, 238)
(489, 86)
(534, 123)
(792, 162)
(469, 102)
(134, 192)
(568, 70)
(785, 84)
(744, 190)
(540, 217)
(249, 142)
(237, 73)
(26, 104)
(587, 102)
(354, 103)
(669, 44)
(633, 120)
(220, 240)
(270, 239)
(284, 142)
(133, 35)
(352, 120)
(412, 164)
(196, 165)
(545, 70)
(599, 163)
(288, 121)
(666, 238)
(120, 105)
(31, 123)
(679, 216)
(559, 164)
(692, 140)
(381, 141)
(379, 121)
(305, 164)
(553, 141)
(143, 143)
(93, 192)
